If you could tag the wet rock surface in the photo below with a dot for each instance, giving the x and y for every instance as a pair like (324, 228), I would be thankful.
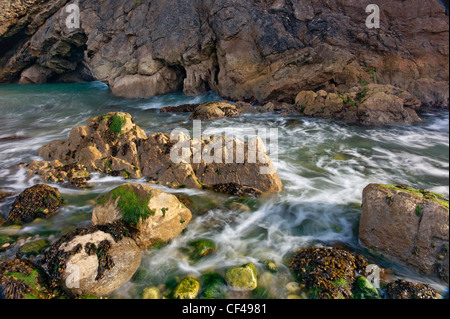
(371, 104)
(155, 216)
(259, 51)
(93, 260)
(407, 225)
(37, 201)
(328, 272)
(115, 145)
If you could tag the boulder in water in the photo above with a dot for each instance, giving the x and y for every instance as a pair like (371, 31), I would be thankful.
(92, 261)
(39, 201)
(155, 216)
(407, 225)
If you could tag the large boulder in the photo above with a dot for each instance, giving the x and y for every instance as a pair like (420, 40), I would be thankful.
(92, 261)
(155, 216)
(39, 201)
(407, 225)
(107, 144)
(115, 145)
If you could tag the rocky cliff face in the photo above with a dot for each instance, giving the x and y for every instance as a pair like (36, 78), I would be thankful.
(254, 50)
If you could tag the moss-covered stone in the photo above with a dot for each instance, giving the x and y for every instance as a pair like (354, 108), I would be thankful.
(201, 248)
(421, 194)
(33, 248)
(20, 279)
(243, 277)
(132, 203)
(151, 293)
(214, 286)
(117, 123)
(188, 288)
(364, 289)
(270, 265)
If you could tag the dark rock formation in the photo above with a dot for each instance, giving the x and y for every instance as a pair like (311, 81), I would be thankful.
(254, 50)
(39, 201)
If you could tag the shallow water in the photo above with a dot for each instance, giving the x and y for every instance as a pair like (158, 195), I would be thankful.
(324, 166)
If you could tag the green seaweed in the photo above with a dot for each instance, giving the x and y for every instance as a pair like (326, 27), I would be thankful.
(117, 124)
(133, 206)
(421, 193)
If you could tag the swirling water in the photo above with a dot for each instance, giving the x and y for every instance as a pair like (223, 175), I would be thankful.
(324, 166)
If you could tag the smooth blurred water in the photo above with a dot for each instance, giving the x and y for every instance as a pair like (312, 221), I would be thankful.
(324, 166)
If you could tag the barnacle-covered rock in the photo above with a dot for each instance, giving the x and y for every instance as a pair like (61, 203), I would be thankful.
(92, 261)
(402, 289)
(328, 272)
(21, 279)
(39, 201)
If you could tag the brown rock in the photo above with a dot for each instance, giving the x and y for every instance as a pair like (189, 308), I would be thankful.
(166, 218)
(408, 226)
(214, 110)
(260, 51)
(92, 261)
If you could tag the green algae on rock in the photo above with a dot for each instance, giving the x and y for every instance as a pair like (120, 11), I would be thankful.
(188, 288)
(39, 201)
(200, 248)
(407, 225)
(242, 278)
(21, 279)
(33, 248)
(154, 216)
(364, 289)
(151, 293)
(213, 286)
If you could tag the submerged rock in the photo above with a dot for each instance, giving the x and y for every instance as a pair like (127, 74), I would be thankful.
(201, 248)
(244, 278)
(328, 272)
(188, 288)
(151, 293)
(21, 279)
(155, 216)
(114, 145)
(4, 195)
(402, 289)
(92, 261)
(39, 201)
(364, 289)
(33, 248)
(213, 286)
(407, 225)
